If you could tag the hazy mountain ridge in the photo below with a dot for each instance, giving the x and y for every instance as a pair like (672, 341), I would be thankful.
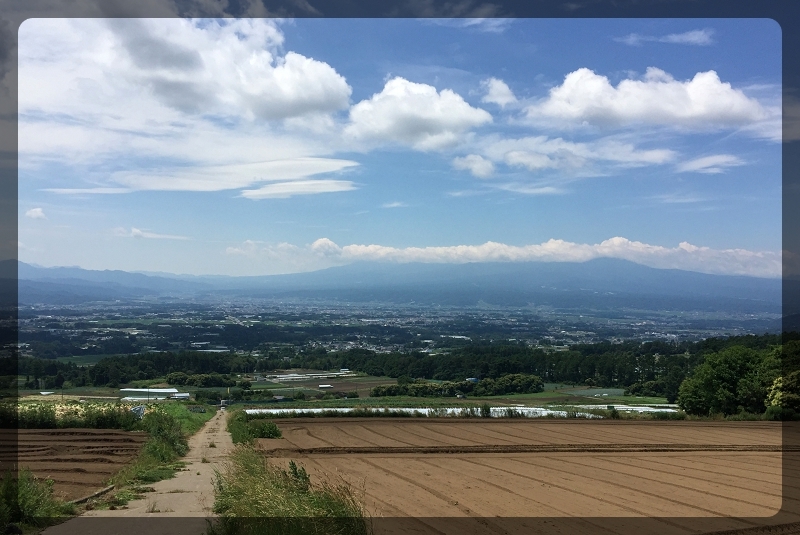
(597, 283)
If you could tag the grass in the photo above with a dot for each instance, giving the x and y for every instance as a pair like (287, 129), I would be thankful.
(190, 422)
(152, 507)
(245, 429)
(28, 500)
(254, 497)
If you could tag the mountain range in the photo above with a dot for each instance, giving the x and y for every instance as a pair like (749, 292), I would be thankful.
(600, 283)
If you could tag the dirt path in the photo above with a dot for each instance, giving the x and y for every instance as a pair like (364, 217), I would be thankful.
(182, 503)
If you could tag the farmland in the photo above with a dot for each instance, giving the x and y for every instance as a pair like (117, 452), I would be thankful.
(433, 468)
(79, 461)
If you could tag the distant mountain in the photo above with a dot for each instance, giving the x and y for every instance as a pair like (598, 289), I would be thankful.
(75, 276)
(600, 283)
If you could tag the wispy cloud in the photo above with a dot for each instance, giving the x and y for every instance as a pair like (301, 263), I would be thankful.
(678, 198)
(138, 233)
(702, 37)
(479, 24)
(713, 164)
(87, 191)
(283, 190)
(396, 204)
(530, 189)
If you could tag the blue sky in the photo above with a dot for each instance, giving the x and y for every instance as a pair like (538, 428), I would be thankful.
(259, 146)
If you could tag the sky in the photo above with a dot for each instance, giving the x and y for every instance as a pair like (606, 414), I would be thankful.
(265, 146)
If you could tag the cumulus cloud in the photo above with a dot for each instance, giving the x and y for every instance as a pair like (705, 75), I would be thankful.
(694, 37)
(35, 213)
(710, 164)
(497, 92)
(283, 190)
(187, 65)
(685, 256)
(414, 114)
(138, 233)
(207, 100)
(658, 99)
(475, 164)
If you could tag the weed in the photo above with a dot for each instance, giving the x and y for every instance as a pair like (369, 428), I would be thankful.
(255, 497)
(29, 500)
(204, 460)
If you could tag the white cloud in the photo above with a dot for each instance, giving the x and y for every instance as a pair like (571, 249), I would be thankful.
(710, 164)
(396, 204)
(35, 213)
(702, 102)
(685, 256)
(539, 153)
(138, 233)
(212, 96)
(87, 191)
(414, 114)
(497, 92)
(475, 164)
(679, 198)
(228, 67)
(217, 178)
(283, 190)
(694, 37)
(480, 24)
(530, 189)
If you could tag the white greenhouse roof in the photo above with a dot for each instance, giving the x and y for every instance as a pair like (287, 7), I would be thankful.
(151, 390)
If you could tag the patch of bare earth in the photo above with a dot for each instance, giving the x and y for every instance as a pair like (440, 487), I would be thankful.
(458, 476)
(79, 461)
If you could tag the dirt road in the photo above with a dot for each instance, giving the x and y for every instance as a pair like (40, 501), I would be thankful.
(179, 505)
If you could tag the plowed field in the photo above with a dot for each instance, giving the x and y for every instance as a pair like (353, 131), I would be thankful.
(79, 461)
(429, 468)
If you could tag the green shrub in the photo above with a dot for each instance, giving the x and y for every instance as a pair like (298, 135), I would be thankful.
(680, 415)
(263, 429)
(775, 412)
(28, 500)
(166, 429)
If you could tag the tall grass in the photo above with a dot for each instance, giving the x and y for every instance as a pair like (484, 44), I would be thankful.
(29, 500)
(254, 497)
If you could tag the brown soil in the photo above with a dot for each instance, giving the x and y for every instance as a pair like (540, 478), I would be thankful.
(79, 461)
(434, 468)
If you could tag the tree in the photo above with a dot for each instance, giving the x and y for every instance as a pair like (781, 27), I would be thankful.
(730, 381)
(785, 392)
